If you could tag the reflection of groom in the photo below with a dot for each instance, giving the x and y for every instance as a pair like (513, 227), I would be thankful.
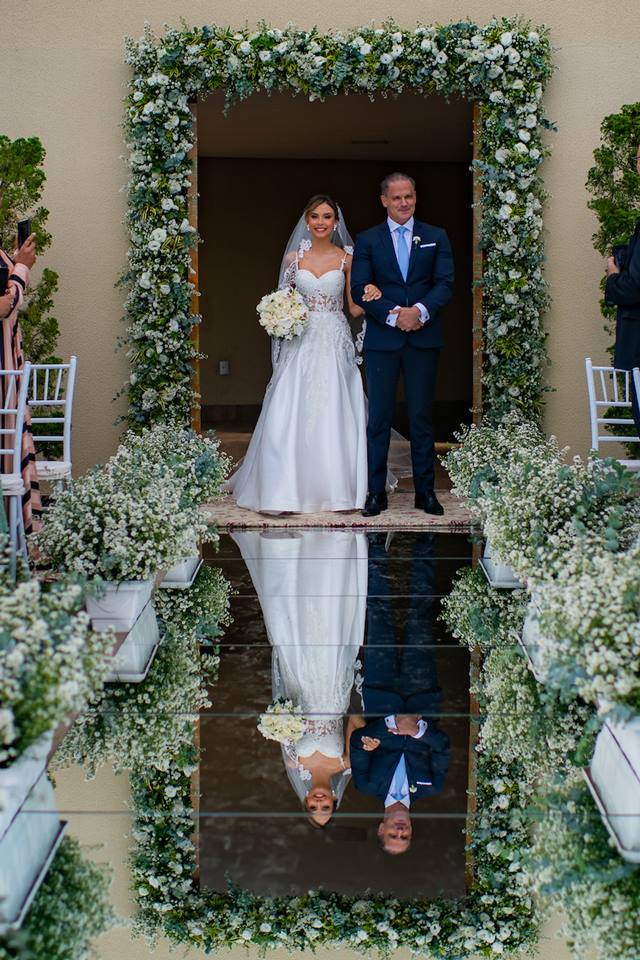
(400, 756)
(412, 264)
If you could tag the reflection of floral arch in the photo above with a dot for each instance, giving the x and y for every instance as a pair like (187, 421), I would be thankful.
(503, 66)
(497, 915)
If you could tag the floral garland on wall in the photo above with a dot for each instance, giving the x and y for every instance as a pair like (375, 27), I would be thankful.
(503, 65)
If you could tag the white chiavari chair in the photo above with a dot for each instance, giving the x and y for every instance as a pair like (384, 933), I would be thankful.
(609, 395)
(51, 392)
(13, 400)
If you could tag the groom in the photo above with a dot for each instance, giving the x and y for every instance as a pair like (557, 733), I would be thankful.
(400, 755)
(412, 264)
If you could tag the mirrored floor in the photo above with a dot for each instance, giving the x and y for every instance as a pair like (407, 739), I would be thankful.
(344, 626)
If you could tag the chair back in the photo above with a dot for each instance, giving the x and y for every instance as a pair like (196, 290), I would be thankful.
(609, 394)
(52, 387)
(14, 386)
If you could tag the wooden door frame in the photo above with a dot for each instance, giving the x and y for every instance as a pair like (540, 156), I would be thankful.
(477, 272)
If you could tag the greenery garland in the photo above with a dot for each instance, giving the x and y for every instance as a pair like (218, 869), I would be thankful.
(502, 65)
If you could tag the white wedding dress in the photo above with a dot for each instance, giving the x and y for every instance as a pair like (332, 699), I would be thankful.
(308, 452)
(312, 588)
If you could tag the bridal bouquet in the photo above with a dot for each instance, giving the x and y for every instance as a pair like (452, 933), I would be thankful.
(282, 722)
(283, 314)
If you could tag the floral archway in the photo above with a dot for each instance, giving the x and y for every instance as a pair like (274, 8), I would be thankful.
(502, 66)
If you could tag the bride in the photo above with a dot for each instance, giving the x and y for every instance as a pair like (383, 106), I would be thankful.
(312, 588)
(308, 452)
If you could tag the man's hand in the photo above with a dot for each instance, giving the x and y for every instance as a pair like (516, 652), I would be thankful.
(406, 725)
(370, 743)
(27, 252)
(407, 318)
(612, 266)
(6, 303)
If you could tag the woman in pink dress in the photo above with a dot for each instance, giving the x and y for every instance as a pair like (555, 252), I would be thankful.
(12, 358)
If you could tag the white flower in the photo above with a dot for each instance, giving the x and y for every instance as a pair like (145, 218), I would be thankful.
(386, 58)
(265, 928)
(245, 47)
(441, 57)
(501, 155)
(506, 39)
(365, 49)
(505, 211)
(168, 204)
(426, 44)
(265, 55)
(524, 135)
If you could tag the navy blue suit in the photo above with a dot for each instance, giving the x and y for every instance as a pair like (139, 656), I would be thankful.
(623, 290)
(390, 351)
(400, 677)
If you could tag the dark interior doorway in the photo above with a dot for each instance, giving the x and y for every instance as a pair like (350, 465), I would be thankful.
(256, 169)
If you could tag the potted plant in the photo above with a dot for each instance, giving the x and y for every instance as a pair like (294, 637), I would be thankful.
(50, 666)
(196, 464)
(121, 524)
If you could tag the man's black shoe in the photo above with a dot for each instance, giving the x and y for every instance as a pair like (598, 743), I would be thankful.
(429, 503)
(374, 504)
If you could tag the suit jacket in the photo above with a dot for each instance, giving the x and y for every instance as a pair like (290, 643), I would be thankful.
(429, 281)
(426, 759)
(623, 290)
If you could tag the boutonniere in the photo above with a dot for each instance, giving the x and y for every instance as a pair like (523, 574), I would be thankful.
(413, 788)
(417, 239)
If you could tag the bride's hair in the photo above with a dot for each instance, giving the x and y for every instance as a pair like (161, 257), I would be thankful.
(316, 200)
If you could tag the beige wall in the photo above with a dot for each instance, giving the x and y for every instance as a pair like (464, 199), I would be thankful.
(98, 818)
(62, 73)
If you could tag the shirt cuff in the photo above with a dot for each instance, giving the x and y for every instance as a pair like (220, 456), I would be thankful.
(21, 271)
(422, 729)
(392, 318)
(424, 313)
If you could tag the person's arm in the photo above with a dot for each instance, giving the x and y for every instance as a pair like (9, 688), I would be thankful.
(371, 292)
(623, 289)
(353, 722)
(362, 273)
(443, 277)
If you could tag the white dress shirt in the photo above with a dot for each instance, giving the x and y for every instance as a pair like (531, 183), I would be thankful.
(399, 786)
(408, 239)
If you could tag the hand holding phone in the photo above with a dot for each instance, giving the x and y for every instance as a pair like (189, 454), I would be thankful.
(24, 231)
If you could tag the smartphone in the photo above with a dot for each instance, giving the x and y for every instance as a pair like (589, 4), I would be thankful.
(24, 231)
(619, 254)
(4, 279)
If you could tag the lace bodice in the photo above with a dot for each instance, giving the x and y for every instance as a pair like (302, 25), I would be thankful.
(324, 735)
(325, 293)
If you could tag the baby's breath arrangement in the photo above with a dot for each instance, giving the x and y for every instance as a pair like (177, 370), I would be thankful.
(120, 524)
(51, 663)
(196, 462)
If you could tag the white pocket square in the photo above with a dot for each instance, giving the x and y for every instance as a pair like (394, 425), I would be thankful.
(424, 783)
(423, 245)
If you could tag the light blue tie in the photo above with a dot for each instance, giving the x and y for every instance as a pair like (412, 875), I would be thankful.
(403, 252)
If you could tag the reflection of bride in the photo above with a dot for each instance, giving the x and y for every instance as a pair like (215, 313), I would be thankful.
(312, 587)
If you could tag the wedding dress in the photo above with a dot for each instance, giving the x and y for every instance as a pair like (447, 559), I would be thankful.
(308, 452)
(312, 588)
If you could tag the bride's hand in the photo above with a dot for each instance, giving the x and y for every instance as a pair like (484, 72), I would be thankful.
(370, 743)
(371, 292)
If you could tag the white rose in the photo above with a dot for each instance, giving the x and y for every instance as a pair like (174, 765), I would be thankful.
(524, 135)
(245, 47)
(385, 58)
(506, 39)
(426, 44)
(265, 55)
(514, 57)
(501, 155)
(365, 49)
(441, 57)
(397, 37)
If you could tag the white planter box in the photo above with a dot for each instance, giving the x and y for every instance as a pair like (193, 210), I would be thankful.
(183, 574)
(26, 852)
(614, 780)
(499, 575)
(134, 657)
(121, 604)
(530, 643)
(17, 780)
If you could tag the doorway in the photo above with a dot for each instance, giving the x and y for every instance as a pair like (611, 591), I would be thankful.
(257, 167)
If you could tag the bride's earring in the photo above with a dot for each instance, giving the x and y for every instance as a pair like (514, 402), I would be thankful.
(308, 231)
(335, 227)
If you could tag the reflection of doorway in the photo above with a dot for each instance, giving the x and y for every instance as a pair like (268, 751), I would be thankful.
(256, 169)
